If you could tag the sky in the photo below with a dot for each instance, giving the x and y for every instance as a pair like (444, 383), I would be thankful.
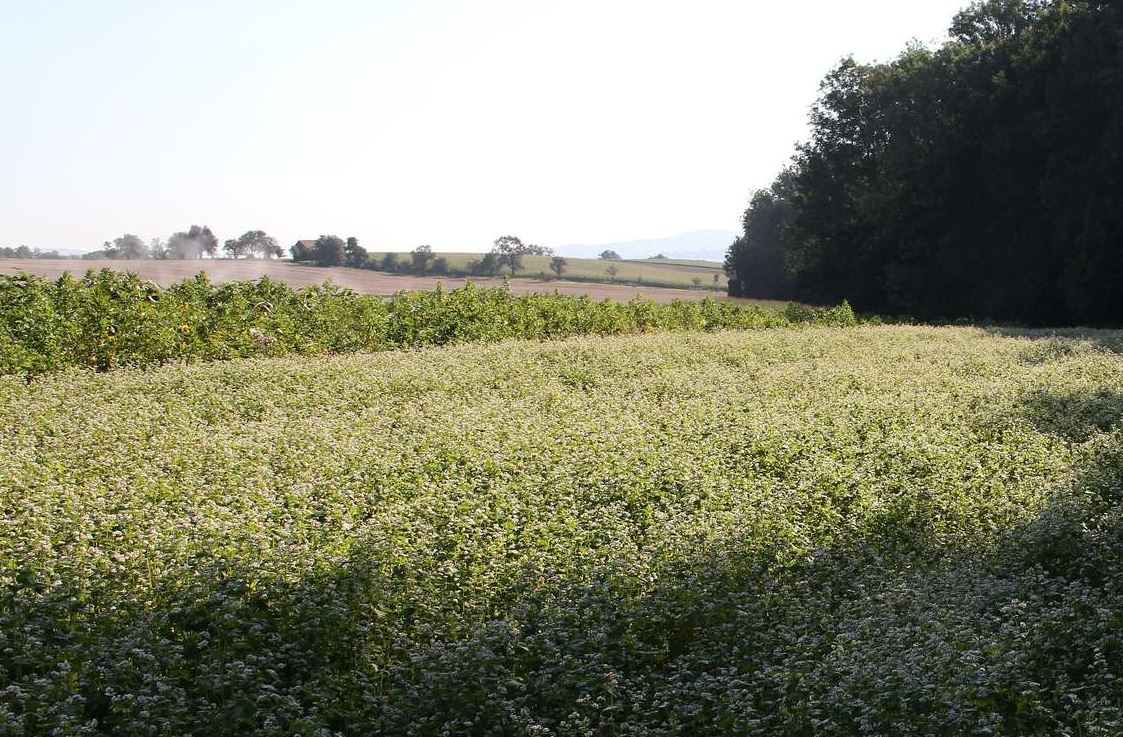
(434, 121)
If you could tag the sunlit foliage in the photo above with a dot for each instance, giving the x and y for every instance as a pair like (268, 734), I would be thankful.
(109, 319)
(819, 531)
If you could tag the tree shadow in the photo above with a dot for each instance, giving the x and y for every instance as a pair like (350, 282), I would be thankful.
(888, 628)
(1016, 634)
(225, 652)
(1074, 415)
(1048, 345)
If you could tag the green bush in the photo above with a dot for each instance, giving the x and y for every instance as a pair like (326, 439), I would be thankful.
(108, 319)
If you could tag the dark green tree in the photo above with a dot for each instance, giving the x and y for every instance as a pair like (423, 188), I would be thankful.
(420, 258)
(234, 247)
(509, 251)
(129, 246)
(978, 179)
(486, 265)
(390, 263)
(328, 250)
(756, 262)
(354, 255)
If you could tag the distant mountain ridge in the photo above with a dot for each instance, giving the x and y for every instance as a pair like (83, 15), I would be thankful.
(704, 245)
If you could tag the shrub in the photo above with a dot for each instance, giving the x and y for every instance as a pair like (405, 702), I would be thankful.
(109, 319)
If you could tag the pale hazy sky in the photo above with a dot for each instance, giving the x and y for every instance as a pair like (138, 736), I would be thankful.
(444, 122)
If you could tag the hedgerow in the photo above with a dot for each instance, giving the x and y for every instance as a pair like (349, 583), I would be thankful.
(877, 530)
(109, 319)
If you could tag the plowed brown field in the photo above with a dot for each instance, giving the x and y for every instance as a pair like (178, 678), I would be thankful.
(371, 282)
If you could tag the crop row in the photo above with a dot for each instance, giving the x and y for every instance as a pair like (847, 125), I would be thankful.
(108, 319)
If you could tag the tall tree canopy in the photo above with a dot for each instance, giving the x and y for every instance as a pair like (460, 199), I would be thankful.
(354, 255)
(127, 246)
(193, 243)
(508, 251)
(328, 250)
(980, 179)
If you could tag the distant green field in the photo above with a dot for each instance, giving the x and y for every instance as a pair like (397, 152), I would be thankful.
(684, 262)
(685, 274)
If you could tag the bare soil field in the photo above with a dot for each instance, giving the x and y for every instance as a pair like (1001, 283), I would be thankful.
(370, 282)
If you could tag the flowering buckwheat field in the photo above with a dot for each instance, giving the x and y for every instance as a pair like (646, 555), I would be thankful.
(802, 531)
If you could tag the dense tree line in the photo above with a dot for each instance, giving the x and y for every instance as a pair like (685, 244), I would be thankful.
(506, 254)
(331, 250)
(253, 244)
(27, 252)
(979, 179)
(196, 242)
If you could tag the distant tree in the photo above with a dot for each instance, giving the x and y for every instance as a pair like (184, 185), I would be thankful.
(257, 243)
(234, 247)
(609, 255)
(193, 243)
(253, 243)
(390, 263)
(157, 248)
(206, 239)
(329, 250)
(659, 257)
(354, 255)
(129, 246)
(420, 258)
(182, 247)
(509, 251)
(507, 244)
(558, 265)
(696, 281)
(487, 265)
(26, 252)
(274, 249)
(611, 270)
(440, 265)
